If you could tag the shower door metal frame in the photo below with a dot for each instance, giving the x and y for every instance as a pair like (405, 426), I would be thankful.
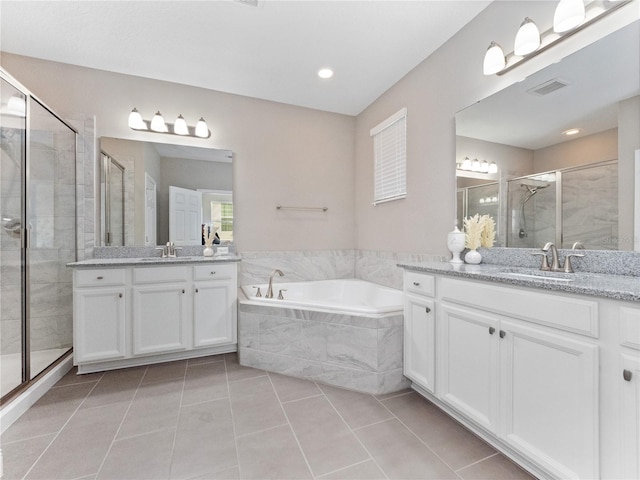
(25, 238)
(109, 161)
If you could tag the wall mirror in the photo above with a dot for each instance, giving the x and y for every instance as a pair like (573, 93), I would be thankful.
(199, 179)
(549, 185)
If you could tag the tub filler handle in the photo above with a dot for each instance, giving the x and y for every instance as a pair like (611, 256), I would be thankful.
(280, 296)
(258, 293)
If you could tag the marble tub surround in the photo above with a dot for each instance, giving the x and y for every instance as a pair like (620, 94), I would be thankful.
(373, 266)
(618, 287)
(358, 352)
(607, 262)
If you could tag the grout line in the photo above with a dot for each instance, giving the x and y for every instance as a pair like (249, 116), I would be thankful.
(355, 429)
(124, 417)
(175, 434)
(293, 432)
(57, 434)
(264, 374)
(233, 420)
(354, 433)
(477, 461)
(301, 399)
(399, 394)
(420, 440)
(261, 431)
(324, 475)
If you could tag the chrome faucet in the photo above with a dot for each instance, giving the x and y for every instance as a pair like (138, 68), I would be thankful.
(169, 250)
(555, 263)
(269, 293)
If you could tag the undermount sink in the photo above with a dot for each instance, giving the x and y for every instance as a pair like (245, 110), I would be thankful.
(165, 259)
(539, 276)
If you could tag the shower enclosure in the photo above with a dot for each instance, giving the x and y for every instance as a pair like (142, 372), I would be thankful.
(578, 204)
(480, 199)
(37, 237)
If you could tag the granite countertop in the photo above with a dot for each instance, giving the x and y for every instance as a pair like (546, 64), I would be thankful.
(618, 287)
(152, 261)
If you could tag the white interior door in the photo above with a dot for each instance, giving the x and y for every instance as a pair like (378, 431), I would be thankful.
(150, 215)
(185, 216)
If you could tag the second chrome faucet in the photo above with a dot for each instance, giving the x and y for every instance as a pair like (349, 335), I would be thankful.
(556, 266)
(270, 288)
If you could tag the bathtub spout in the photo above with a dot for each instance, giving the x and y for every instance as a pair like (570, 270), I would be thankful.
(270, 289)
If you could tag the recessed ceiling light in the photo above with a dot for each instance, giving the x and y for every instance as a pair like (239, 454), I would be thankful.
(325, 73)
(571, 131)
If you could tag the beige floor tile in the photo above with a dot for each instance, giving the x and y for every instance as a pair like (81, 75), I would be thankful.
(456, 445)
(50, 413)
(207, 359)
(152, 459)
(235, 371)
(362, 471)
(326, 440)
(156, 406)
(271, 454)
(165, 371)
(114, 387)
(72, 378)
(497, 467)
(291, 388)
(205, 382)
(227, 474)
(400, 454)
(204, 440)
(385, 396)
(255, 405)
(19, 456)
(357, 409)
(82, 445)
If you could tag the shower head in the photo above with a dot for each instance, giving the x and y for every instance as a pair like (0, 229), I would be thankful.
(533, 189)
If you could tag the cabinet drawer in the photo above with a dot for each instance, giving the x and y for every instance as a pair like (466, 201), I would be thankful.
(561, 312)
(213, 272)
(160, 274)
(630, 327)
(99, 277)
(420, 283)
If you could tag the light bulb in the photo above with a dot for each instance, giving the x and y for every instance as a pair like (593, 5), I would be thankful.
(568, 15)
(494, 59)
(466, 164)
(484, 166)
(493, 168)
(527, 38)
(201, 129)
(157, 123)
(475, 165)
(180, 127)
(135, 120)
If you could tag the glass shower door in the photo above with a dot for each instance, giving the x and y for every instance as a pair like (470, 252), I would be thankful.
(12, 153)
(51, 215)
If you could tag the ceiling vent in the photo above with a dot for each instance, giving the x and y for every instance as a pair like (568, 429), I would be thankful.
(547, 87)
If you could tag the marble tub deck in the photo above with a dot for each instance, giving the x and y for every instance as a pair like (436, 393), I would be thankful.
(357, 352)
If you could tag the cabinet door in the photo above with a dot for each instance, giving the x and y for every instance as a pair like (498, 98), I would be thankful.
(213, 314)
(468, 363)
(549, 397)
(99, 324)
(419, 341)
(630, 390)
(159, 318)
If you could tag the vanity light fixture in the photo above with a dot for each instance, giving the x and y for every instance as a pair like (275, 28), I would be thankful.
(570, 17)
(158, 125)
(477, 166)
(527, 38)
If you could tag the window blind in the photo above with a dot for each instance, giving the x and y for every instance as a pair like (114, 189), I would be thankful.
(390, 158)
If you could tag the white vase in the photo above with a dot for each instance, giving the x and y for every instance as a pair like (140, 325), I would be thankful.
(455, 244)
(207, 252)
(473, 257)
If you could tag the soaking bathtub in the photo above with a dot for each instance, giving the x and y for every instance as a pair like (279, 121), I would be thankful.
(340, 332)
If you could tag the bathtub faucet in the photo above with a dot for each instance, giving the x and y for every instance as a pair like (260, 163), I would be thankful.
(270, 289)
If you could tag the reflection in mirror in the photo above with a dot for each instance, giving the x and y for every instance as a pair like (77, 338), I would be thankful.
(111, 201)
(150, 169)
(552, 186)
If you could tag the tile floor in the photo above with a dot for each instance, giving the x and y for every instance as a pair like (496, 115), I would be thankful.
(211, 418)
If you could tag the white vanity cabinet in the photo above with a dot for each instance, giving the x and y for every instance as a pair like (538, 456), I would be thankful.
(518, 366)
(629, 380)
(214, 299)
(160, 309)
(143, 314)
(99, 312)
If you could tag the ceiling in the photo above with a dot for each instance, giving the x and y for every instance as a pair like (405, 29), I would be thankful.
(270, 51)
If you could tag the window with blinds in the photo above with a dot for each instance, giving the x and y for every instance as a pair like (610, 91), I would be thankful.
(390, 158)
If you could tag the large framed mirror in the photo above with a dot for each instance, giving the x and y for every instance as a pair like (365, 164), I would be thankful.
(170, 193)
(551, 185)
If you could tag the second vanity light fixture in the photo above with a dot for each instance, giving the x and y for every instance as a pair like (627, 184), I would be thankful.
(158, 125)
(570, 17)
(477, 166)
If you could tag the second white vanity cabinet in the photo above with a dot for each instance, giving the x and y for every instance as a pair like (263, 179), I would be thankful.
(630, 391)
(520, 366)
(137, 315)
